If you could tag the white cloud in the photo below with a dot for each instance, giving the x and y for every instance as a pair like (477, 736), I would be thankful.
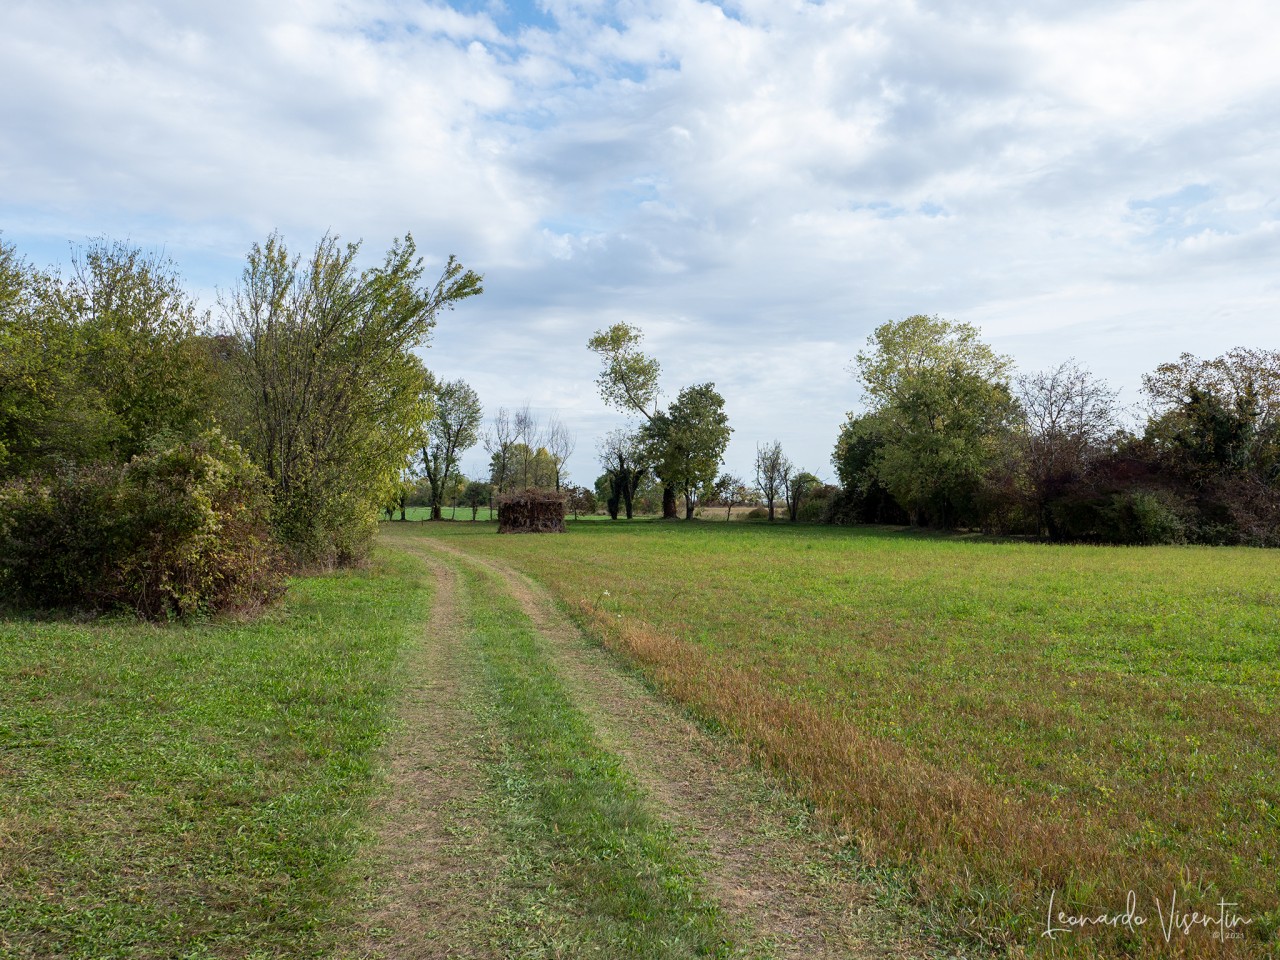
(755, 184)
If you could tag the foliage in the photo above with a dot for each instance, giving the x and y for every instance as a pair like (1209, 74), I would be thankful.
(686, 443)
(94, 366)
(728, 490)
(335, 393)
(1238, 373)
(453, 428)
(796, 487)
(863, 498)
(772, 469)
(581, 500)
(178, 531)
(523, 469)
(629, 379)
(475, 495)
(944, 403)
(819, 503)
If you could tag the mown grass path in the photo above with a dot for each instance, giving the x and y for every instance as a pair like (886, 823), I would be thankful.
(433, 876)
(543, 802)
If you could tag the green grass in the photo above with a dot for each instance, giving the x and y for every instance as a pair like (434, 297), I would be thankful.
(1109, 713)
(195, 791)
(593, 873)
(460, 514)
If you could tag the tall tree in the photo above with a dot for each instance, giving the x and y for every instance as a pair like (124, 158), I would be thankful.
(336, 394)
(1069, 417)
(687, 441)
(772, 469)
(454, 428)
(943, 400)
(628, 382)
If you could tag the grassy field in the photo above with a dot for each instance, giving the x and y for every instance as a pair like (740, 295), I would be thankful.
(459, 514)
(1006, 721)
(195, 791)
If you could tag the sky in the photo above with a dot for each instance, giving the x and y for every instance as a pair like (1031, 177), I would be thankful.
(755, 185)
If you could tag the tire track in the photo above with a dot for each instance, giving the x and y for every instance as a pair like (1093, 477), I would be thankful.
(782, 882)
(434, 873)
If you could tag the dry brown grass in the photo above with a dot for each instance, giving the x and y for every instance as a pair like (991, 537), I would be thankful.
(966, 842)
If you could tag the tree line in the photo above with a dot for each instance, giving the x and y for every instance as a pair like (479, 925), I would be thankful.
(156, 458)
(953, 437)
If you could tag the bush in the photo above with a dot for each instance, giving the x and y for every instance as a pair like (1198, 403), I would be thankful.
(1146, 517)
(179, 530)
(1137, 517)
(759, 513)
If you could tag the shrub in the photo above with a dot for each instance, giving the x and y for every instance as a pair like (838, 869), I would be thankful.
(179, 530)
(759, 513)
(1139, 517)
(1146, 517)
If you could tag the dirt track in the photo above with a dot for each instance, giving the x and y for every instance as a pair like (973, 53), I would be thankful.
(787, 888)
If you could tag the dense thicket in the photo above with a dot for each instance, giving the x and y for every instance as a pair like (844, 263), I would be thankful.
(180, 529)
(951, 439)
(150, 463)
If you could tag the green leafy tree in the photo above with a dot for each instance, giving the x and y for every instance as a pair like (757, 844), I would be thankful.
(628, 382)
(943, 398)
(475, 495)
(335, 393)
(453, 429)
(139, 330)
(687, 442)
(796, 487)
(95, 366)
(863, 498)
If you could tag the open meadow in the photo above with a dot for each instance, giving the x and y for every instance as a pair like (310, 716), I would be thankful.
(797, 741)
(1005, 721)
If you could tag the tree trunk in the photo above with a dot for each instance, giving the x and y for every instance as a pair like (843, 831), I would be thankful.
(771, 510)
(668, 502)
(435, 511)
(688, 508)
